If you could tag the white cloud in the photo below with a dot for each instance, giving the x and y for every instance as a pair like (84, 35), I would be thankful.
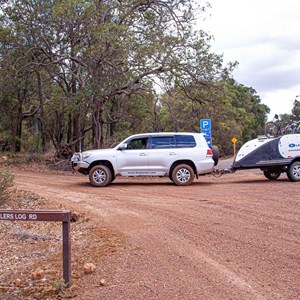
(264, 37)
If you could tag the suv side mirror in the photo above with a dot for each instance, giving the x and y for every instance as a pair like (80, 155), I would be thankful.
(123, 146)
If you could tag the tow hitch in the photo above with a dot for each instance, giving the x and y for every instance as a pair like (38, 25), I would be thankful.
(220, 172)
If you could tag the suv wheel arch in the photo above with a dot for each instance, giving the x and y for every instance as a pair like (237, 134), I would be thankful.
(105, 163)
(179, 162)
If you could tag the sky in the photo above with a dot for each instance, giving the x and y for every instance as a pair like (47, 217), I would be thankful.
(264, 37)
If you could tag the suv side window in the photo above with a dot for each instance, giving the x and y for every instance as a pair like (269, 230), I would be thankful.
(136, 144)
(162, 142)
(185, 141)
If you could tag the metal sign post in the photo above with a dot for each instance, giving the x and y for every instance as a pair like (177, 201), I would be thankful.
(234, 140)
(63, 216)
(205, 127)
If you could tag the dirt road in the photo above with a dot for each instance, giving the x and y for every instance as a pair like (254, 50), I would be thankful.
(234, 237)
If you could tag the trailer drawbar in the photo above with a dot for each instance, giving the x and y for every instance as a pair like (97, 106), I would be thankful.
(272, 155)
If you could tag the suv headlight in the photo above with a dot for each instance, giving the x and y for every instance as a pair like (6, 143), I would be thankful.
(76, 157)
(85, 155)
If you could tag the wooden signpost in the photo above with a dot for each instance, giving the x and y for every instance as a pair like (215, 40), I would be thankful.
(63, 216)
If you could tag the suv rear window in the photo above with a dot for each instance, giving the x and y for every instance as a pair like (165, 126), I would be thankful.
(162, 142)
(179, 141)
(185, 141)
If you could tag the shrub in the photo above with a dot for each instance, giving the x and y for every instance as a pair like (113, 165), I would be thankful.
(6, 181)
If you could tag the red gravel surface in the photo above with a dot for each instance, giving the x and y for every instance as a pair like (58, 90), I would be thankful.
(234, 237)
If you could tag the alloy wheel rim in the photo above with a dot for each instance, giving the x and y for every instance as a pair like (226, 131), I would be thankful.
(99, 176)
(296, 171)
(183, 175)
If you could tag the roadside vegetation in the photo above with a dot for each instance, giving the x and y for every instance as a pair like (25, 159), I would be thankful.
(6, 181)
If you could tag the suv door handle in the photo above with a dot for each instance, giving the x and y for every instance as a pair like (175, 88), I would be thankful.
(143, 154)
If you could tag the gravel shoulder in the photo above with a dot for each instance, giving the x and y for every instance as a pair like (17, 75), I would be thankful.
(234, 237)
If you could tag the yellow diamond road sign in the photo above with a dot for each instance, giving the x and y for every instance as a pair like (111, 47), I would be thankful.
(234, 140)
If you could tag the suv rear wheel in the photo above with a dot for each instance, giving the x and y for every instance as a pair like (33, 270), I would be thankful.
(183, 175)
(100, 176)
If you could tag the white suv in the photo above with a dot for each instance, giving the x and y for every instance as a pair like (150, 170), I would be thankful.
(180, 156)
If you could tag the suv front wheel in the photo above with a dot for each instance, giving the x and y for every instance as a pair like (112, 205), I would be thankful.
(100, 176)
(183, 175)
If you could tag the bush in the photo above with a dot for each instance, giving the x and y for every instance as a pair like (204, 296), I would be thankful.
(6, 181)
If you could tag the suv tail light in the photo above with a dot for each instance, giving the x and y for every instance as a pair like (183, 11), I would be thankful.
(209, 152)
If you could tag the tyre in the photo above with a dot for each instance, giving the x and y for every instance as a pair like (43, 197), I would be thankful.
(183, 175)
(271, 130)
(293, 171)
(272, 175)
(100, 176)
(216, 154)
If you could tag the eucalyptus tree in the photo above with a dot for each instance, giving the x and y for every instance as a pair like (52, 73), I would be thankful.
(18, 88)
(131, 43)
(102, 53)
(22, 88)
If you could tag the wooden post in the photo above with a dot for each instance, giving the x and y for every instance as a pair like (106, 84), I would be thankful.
(66, 233)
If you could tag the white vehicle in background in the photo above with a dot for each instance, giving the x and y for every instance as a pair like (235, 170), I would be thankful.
(180, 156)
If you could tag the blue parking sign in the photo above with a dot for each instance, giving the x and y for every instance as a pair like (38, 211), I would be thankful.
(207, 134)
(205, 127)
(205, 124)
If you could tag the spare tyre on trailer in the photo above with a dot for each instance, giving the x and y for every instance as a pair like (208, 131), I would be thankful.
(272, 155)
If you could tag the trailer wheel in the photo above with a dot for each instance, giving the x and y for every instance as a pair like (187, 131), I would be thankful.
(272, 175)
(293, 171)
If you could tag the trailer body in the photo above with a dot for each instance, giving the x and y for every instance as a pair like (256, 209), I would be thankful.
(272, 155)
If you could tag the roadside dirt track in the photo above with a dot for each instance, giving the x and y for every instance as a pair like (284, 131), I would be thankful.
(234, 237)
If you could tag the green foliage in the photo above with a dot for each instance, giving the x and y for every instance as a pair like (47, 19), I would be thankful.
(32, 143)
(81, 74)
(235, 111)
(6, 181)
(123, 130)
(296, 109)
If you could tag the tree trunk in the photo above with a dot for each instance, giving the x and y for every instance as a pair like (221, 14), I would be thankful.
(97, 127)
(69, 129)
(41, 118)
(18, 134)
(76, 131)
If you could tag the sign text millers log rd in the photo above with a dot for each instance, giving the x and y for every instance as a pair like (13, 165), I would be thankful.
(40, 215)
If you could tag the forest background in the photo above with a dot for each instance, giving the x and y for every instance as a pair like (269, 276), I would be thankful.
(85, 74)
